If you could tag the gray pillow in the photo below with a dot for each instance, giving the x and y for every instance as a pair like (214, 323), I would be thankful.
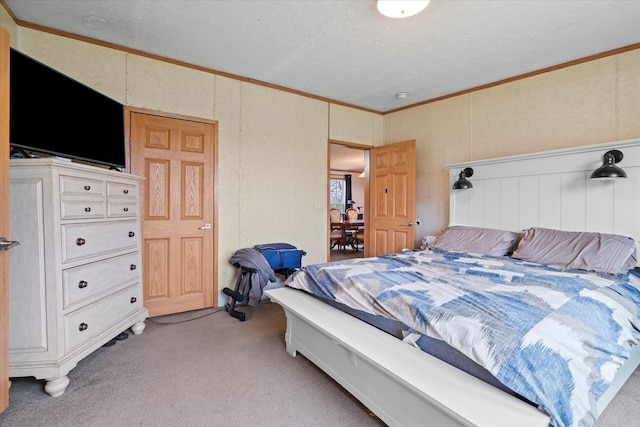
(484, 241)
(605, 253)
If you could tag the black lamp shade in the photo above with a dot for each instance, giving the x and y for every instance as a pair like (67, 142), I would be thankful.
(463, 183)
(609, 170)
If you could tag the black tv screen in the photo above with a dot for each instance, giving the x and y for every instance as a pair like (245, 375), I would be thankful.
(53, 114)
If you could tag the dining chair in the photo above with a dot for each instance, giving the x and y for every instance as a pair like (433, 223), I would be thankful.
(336, 236)
(358, 237)
(335, 215)
(356, 233)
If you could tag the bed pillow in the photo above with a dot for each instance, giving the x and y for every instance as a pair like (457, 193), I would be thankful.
(485, 241)
(605, 253)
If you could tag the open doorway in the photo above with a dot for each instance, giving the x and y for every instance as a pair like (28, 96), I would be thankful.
(348, 191)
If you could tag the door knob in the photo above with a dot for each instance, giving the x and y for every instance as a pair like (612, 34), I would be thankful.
(408, 224)
(5, 244)
(207, 226)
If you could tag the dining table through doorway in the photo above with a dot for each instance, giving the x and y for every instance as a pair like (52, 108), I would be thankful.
(349, 230)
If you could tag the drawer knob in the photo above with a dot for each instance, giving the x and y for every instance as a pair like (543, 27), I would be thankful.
(131, 234)
(80, 241)
(82, 284)
(132, 267)
(125, 191)
(125, 209)
(87, 209)
(83, 327)
(133, 299)
(87, 187)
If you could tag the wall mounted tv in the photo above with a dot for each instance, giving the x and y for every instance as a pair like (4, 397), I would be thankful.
(53, 114)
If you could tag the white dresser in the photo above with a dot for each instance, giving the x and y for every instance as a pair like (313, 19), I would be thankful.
(75, 279)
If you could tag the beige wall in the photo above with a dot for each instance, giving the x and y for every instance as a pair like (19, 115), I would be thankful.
(273, 144)
(353, 125)
(590, 103)
(8, 24)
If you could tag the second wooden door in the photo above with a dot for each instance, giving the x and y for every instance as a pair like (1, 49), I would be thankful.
(392, 188)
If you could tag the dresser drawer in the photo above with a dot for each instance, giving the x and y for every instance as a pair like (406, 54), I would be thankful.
(122, 208)
(89, 239)
(77, 208)
(89, 280)
(87, 322)
(117, 189)
(72, 185)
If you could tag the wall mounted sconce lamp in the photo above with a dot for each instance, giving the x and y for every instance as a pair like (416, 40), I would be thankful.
(462, 182)
(609, 170)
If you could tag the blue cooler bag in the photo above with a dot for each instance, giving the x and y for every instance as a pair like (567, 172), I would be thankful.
(282, 257)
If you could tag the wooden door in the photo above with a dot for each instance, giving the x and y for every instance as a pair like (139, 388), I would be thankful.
(392, 204)
(177, 158)
(4, 219)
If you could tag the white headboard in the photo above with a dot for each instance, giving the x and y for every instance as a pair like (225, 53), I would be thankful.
(551, 189)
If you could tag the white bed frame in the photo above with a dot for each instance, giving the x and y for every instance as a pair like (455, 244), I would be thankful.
(405, 386)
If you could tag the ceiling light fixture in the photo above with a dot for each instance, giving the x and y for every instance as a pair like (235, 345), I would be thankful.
(401, 8)
(402, 95)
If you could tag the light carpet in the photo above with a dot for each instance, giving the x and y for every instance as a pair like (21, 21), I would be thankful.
(213, 371)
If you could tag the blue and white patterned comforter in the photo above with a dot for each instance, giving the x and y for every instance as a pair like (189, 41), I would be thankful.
(556, 337)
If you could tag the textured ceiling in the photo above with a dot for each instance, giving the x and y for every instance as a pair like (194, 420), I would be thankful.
(345, 50)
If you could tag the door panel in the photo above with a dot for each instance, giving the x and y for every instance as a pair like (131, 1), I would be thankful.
(381, 198)
(400, 201)
(177, 158)
(392, 198)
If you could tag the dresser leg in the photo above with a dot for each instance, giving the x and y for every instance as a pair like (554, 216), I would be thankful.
(138, 327)
(57, 386)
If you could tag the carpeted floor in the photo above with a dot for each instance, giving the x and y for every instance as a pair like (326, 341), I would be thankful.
(337, 255)
(213, 371)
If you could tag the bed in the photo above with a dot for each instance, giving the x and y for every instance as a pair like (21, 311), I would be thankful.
(370, 323)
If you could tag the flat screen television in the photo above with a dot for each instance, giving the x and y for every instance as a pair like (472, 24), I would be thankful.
(53, 114)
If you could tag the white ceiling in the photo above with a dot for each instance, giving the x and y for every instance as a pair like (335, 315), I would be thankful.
(343, 158)
(345, 50)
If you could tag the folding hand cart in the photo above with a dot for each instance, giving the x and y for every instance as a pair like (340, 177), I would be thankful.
(282, 258)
